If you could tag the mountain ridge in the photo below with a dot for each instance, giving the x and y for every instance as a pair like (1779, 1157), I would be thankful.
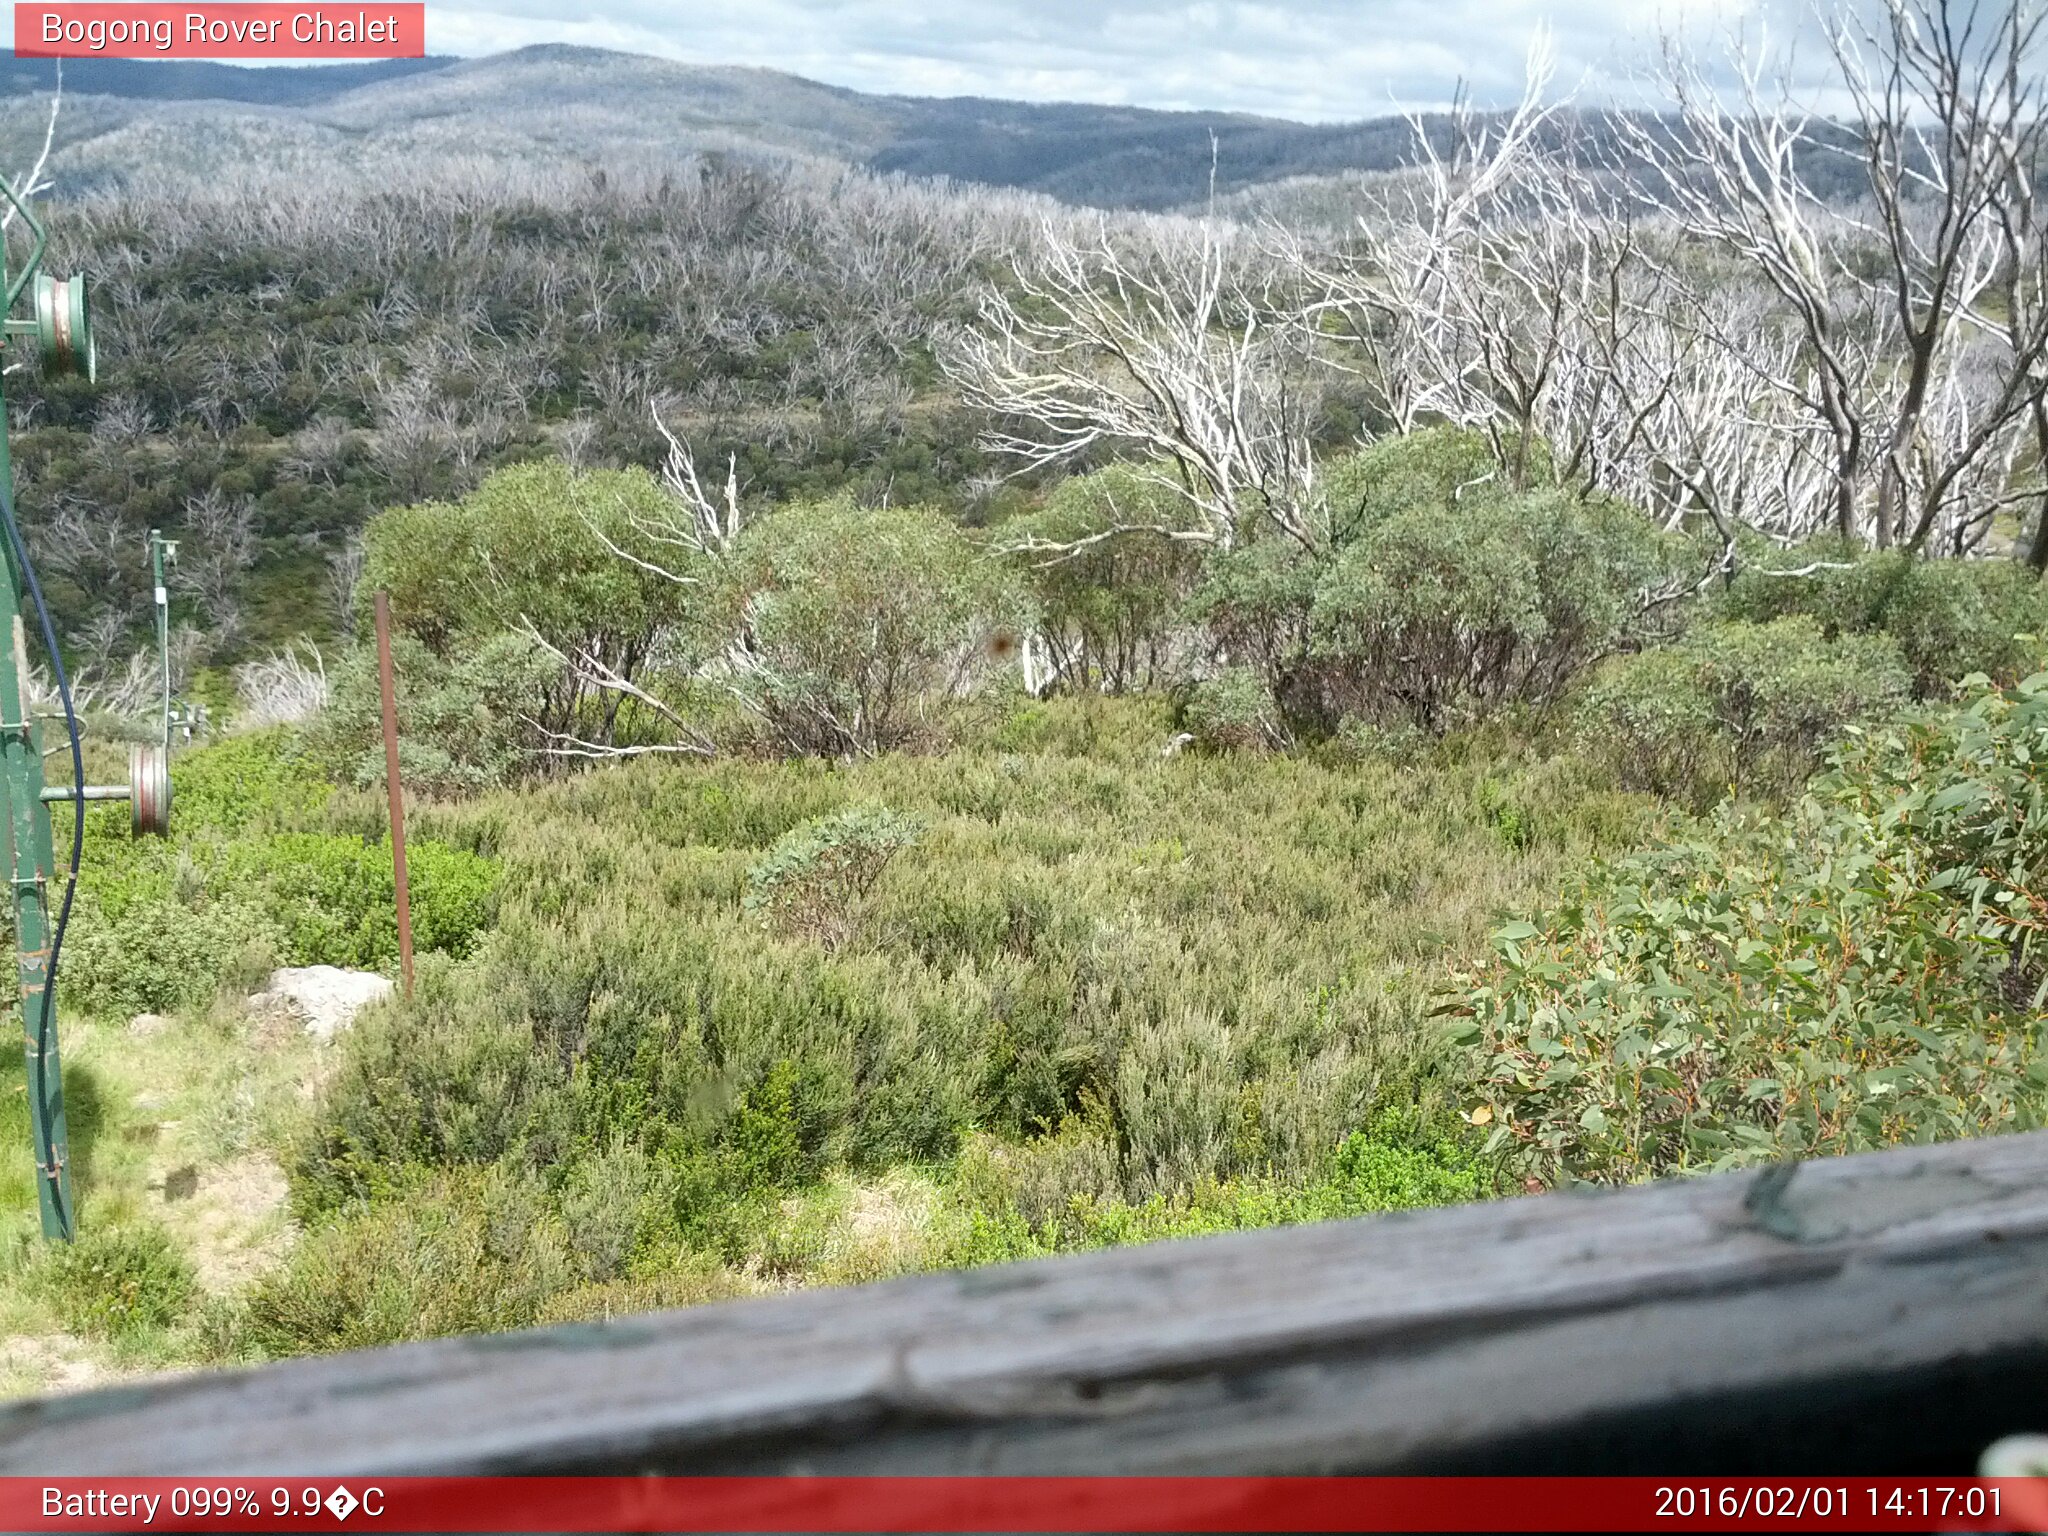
(207, 80)
(553, 101)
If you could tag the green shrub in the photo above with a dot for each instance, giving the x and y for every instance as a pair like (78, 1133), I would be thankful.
(451, 1079)
(464, 1251)
(159, 926)
(1393, 740)
(1015, 1202)
(1950, 618)
(1506, 815)
(1291, 1112)
(1233, 712)
(1178, 1086)
(1444, 596)
(689, 1284)
(1435, 467)
(162, 930)
(1783, 694)
(818, 880)
(1111, 972)
(1395, 1166)
(158, 956)
(1861, 973)
(468, 719)
(332, 900)
(610, 1206)
(1108, 602)
(1655, 717)
(120, 1282)
(1443, 614)
(258, 779)
(1254, 601)
(1750, 705)
(1045, 1181)
(729, 1198)
(578, 558)
(857, 622)
(528, 545)
(776, 1137)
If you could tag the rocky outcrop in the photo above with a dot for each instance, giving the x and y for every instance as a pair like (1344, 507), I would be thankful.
(325, 998)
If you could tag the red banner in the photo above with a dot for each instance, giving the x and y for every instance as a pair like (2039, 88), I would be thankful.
(216, 31)
(1002, 1504)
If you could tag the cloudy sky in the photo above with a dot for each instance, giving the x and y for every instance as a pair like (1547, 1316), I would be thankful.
(1316, 60)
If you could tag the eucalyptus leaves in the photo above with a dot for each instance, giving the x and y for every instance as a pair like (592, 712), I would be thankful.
(1861, 972)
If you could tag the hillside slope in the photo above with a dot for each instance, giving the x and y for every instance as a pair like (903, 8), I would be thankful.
(125, 119)
(204, 80)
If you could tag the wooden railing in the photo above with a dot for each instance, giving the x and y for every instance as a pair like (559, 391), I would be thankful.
(1881, 1313)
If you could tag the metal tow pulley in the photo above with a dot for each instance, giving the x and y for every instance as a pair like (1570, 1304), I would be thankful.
(64, 326)
(149, 790)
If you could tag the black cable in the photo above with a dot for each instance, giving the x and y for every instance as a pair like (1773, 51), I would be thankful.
(48, 1150)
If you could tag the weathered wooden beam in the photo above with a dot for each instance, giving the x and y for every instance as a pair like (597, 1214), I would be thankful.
(1537, 1329)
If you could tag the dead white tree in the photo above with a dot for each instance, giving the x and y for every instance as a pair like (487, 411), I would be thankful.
(1183, 349)
(1731, 176)
(588, 671)
(33, 182)
(344, 575)
(131, 686)
(1892, 297)
(1709, 437)
(220, 547)
(692, 523)
(285, 687)
(1950, 115)
(1464, 276)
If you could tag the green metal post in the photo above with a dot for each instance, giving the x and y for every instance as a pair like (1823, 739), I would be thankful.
(32, 868)
(63, 330)
(163, 624)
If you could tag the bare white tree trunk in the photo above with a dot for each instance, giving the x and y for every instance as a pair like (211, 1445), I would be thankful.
(1185, 351)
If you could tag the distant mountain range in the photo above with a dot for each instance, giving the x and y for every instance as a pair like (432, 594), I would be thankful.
(196, 80)
(128, 117)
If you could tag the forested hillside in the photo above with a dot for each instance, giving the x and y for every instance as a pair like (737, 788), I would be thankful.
(943, 725)
(134, 120)
(203, 80)
(276, 368)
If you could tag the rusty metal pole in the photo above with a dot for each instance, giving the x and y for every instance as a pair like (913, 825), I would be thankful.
(395, 789)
